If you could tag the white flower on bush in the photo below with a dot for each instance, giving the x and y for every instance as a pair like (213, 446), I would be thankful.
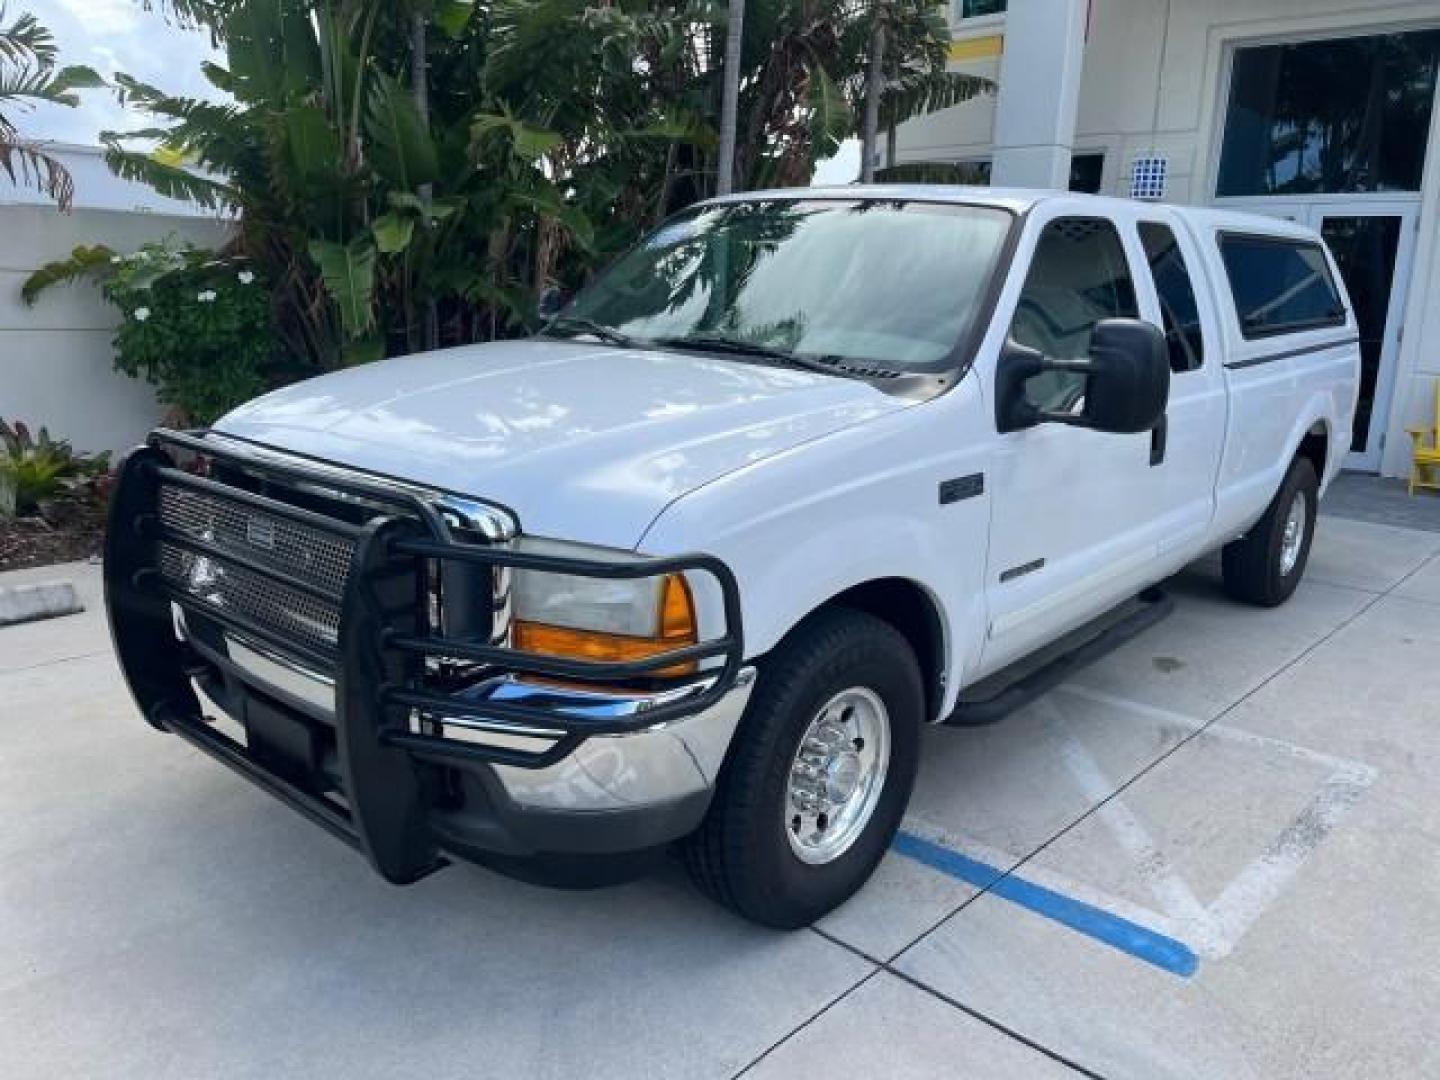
(206, 297)
(141, 314)
(246, 277)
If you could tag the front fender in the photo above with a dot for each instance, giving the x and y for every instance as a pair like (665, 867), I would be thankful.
(859, 506)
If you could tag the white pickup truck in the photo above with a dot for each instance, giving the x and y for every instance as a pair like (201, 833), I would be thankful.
(803, 471)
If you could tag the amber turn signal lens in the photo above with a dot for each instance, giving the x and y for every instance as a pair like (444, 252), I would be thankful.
(675, 620)
(677, 613)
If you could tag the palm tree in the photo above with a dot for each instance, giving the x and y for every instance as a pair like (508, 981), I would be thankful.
(28, 75)
(379, 173)
(874, 86)
(808, 74)
(730, 96)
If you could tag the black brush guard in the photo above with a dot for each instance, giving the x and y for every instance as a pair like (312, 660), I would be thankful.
(386, 770)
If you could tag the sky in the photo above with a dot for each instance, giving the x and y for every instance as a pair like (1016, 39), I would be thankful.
(117, 35)
(111, 36)
(842, 168)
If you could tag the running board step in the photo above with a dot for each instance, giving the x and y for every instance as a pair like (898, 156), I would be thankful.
(1003, 693)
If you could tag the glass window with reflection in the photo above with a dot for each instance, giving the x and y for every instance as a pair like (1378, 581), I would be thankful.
(1184, 335)
(1333, 116)
(1078, 277)
(975, 173)
(974, 9)
(1280, 286)
(891, 283)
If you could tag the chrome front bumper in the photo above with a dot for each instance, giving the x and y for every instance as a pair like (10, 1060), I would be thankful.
(667, 763)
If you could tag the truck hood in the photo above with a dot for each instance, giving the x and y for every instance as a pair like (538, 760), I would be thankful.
(584, 442)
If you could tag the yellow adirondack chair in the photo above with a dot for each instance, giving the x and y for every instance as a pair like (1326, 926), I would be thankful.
(1425, 451)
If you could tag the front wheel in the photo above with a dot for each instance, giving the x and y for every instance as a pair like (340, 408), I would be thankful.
(1265, 565)
(819, 775)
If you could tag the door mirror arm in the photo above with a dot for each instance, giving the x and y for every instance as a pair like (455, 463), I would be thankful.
(1018, 365)
(1050, 416)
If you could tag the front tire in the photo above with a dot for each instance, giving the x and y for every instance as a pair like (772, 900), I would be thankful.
(819, 775)
(1265, 565)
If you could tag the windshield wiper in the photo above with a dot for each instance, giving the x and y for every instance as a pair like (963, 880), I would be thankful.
(589, 326)
(825, 365)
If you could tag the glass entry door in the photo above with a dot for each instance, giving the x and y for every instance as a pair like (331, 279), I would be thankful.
(1372, 246)
(1373, 242)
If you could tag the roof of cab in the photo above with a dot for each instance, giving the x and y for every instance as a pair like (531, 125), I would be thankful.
(1020, 200)
(1017, 199)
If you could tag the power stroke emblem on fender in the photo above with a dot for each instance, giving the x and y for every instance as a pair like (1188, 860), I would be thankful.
(962, 487)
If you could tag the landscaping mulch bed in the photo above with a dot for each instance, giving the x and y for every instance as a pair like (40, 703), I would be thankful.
(66, 530)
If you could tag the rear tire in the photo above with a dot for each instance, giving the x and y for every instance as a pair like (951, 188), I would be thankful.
(804, 808)
(1265, 565)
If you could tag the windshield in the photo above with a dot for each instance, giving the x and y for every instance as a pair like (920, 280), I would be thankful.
(882, 283)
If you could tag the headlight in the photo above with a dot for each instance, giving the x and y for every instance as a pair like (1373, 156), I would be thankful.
(587, 618)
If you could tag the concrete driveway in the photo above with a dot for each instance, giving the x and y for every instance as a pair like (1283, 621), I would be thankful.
(1214, 854)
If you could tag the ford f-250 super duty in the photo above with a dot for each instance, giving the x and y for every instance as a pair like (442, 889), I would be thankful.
(802, 472)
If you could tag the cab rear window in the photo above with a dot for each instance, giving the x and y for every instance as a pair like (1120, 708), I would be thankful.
(1280, 286)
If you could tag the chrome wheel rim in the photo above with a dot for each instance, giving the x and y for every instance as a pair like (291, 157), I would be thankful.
(1294, 536)
(837, 776)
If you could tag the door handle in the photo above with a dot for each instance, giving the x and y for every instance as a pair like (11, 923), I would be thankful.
(1159, 434)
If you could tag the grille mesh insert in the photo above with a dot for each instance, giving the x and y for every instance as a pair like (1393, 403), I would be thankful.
(315, 556)
(312, 555)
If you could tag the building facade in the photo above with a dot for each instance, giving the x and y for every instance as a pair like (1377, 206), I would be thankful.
(1322, 111)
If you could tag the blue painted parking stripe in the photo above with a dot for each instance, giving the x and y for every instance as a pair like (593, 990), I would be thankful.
(1163, 952)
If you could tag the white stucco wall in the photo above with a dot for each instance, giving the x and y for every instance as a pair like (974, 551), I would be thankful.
(55, 357)
(1154, 82)
(1152, 79)
(1156, 69)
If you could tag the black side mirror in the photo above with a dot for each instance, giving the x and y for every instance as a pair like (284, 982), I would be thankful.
(1127, 381)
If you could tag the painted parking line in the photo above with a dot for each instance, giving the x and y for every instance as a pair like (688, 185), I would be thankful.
(1215, 929)
(1129, 937)
(1181, 928)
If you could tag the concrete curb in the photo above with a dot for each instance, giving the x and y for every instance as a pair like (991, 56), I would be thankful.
(43, 600)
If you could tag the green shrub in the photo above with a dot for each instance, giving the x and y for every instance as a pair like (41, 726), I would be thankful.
(33, 469)
(194, 324)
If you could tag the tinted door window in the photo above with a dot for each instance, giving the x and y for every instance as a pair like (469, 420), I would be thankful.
(1330, 116)
(1280, 286)
(1183, 332)
(1078, 278)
